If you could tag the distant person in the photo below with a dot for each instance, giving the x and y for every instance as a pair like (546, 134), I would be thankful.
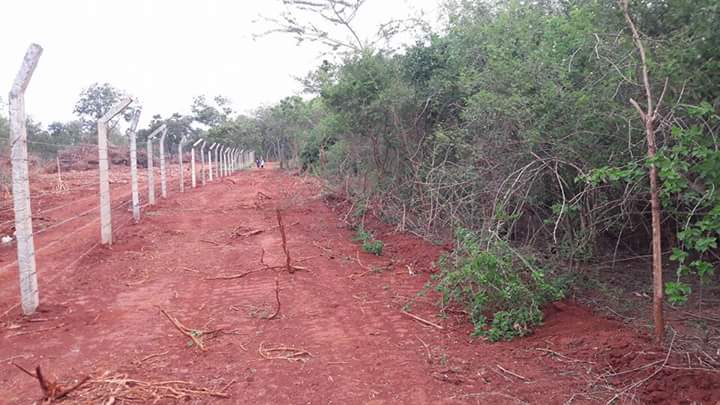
(257, 163)
(262, 163)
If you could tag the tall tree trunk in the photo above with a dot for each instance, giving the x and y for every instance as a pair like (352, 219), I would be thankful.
(648, 116)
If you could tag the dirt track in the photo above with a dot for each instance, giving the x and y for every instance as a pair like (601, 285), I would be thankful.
(100, 315)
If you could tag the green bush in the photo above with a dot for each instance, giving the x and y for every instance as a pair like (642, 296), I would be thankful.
(373, 246)
(502, 290)
(369, 243)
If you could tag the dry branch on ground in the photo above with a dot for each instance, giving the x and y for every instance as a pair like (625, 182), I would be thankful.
(277, 298)
(112, 389)
(194, 334)
(283, 353)
(52, 390)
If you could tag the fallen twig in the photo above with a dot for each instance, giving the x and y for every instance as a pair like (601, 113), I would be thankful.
(328, 250)
(425, 321)
(511, 373)
(277, 298)
(150, 356)
(28, 332)
(19, 356)
(281, 226)
(286, 353)
(562, 356)
(191, 270)
(211, 242)
(194, 335)
(427, 348)
(304, 259)
(51, 389)
(646, 379)
(449, 376)
(7, 311)
(235, 276)
(363, 274)
(242, 232)
(357, 256)
(107, 390)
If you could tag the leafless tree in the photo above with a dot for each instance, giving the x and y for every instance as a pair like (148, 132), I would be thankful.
(318, 20)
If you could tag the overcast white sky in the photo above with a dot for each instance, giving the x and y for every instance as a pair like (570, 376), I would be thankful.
(164, 52)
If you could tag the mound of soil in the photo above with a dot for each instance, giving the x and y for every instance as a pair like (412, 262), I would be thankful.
(85, 157)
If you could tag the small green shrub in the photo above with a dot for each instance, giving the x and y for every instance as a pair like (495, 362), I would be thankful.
(361, 234)
(369, 243)
(502, 290)
(373, 246)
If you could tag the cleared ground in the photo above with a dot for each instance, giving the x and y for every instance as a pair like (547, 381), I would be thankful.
(340, 335)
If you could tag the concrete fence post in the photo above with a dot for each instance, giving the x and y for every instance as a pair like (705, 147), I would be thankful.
(132, 134)
(150, 172)
(180, 160)
(163, 178)
(150, 168)
(224, 160)
(218, 152)
(29, 295)
(210, 160)
(220, 161)
(104, 169)
(202, 158)
(192, 163)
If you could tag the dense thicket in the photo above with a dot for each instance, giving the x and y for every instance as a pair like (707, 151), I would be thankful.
(515, 122)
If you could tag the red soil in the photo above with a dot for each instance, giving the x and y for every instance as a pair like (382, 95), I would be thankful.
(100, 313)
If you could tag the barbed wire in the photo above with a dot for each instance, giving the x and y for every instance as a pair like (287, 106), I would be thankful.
(66, 145)
(171, 187)
(48, 210)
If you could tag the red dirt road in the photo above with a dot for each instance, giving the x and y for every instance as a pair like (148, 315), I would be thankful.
(101, 316)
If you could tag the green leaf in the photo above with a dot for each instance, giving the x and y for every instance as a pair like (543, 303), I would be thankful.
(703, 268)
(677, 292)
(706, 243)
(678, 255)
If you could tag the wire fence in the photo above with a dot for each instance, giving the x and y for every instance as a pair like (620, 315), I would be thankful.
(88, 216)
(50, 194)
